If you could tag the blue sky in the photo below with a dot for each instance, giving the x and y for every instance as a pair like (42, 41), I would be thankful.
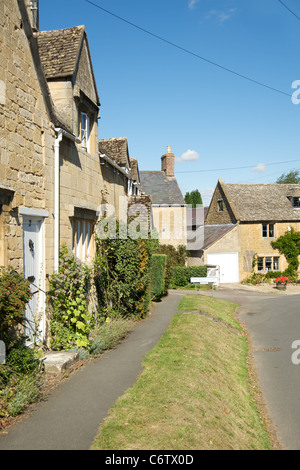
(219, 125)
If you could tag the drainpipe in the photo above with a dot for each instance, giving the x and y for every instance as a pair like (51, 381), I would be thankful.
(60, 134)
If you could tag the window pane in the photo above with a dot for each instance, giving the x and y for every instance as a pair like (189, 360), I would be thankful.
(296, 201)
(271, 230)
(276, 264)
(268, 264)
(260, 264)
(264, 230)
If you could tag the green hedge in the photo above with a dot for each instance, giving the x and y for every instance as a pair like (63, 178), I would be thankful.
(182, 274)
(158, 270)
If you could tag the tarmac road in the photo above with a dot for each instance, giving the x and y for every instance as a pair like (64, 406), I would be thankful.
(70, 418)
(273, 323)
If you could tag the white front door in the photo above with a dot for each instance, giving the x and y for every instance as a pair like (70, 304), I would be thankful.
(33, 269)
(229, 266)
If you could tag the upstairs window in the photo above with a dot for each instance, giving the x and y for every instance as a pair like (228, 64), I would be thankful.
(296, 202)
(220, 205)
(84, 131)
(268, 231)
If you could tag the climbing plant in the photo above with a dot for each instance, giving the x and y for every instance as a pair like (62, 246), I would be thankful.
(70, 320)
(289, 245)
(122, 275)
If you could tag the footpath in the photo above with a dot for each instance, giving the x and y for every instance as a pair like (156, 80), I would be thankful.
(70, 417)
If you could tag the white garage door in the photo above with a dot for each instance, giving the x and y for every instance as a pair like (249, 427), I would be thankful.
(229, 266)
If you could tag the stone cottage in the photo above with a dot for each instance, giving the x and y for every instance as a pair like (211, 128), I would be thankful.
(53, 179)
(241, 222)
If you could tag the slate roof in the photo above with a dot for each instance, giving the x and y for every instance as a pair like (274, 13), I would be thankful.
(116, 149)
(163, 190)
(213, 233)
(59, 50)
(262, 202)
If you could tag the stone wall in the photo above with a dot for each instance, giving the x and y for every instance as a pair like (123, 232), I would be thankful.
(26, 135)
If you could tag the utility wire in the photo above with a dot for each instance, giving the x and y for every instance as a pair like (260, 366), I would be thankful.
(293, 13)
(188, 51)
(236, 168)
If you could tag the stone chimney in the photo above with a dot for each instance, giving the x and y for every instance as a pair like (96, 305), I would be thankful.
(168, 163)
(33, 14)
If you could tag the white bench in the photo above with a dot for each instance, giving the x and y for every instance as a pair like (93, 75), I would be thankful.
(213, 280)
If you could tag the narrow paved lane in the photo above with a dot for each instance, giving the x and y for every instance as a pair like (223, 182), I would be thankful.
(70, 418)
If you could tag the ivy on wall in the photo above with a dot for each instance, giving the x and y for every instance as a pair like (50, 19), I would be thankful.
(289, 245)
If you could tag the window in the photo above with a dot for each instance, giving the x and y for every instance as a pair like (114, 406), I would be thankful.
(82, 239)
(268, 263)
(220, 205)
(84, 131)
(296, 202)
(268, 231)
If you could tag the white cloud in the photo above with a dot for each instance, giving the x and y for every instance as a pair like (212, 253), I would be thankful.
(221, 16)
(260, 168)
(189, 155)
(192, 4)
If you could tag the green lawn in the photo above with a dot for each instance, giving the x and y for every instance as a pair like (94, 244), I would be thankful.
(194, 391)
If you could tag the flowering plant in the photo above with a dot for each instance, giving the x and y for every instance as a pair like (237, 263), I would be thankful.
(282, 280)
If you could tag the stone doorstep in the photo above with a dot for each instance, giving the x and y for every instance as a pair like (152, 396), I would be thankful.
(58, 361)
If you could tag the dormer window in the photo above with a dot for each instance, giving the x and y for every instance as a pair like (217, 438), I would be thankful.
(84, 131)
(296, 202)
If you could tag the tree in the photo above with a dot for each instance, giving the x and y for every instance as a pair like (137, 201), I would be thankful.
(193, 198)
(292, 177)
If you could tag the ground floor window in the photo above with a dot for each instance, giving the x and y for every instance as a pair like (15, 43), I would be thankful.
(83, 239)
(268, 263)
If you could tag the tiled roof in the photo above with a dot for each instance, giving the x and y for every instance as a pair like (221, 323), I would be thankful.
(116, 149)
(262, 202)
(59, 50)
(213, 233)
(162, 190)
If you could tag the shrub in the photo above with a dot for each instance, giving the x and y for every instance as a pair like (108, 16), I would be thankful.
(182, 274)
(175, 257)
(158, 268)
(122, 276)
(14, 295)
(71, 321)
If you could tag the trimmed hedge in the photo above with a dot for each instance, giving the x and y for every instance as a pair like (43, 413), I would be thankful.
(182, 274)
(158, 269)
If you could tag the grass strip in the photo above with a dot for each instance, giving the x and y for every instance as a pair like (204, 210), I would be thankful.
(194, 391)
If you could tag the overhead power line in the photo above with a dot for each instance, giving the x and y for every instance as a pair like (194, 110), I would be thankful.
(291, 11)
(188, 51)
(237, 167)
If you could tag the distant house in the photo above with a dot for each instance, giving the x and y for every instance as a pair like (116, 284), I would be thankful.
(240, 224)
(168, 206)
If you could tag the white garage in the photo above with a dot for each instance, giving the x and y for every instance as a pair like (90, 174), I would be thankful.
(228, 264)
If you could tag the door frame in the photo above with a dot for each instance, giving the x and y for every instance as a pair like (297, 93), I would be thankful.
(37, 216)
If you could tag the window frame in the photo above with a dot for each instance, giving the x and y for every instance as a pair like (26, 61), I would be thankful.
(274, 263)
(84, 133)
(268, 230)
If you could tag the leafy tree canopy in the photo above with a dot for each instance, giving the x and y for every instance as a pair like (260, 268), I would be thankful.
(193, 198)
(292, 177)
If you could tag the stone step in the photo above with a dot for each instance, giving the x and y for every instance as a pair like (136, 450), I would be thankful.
(56, 362)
